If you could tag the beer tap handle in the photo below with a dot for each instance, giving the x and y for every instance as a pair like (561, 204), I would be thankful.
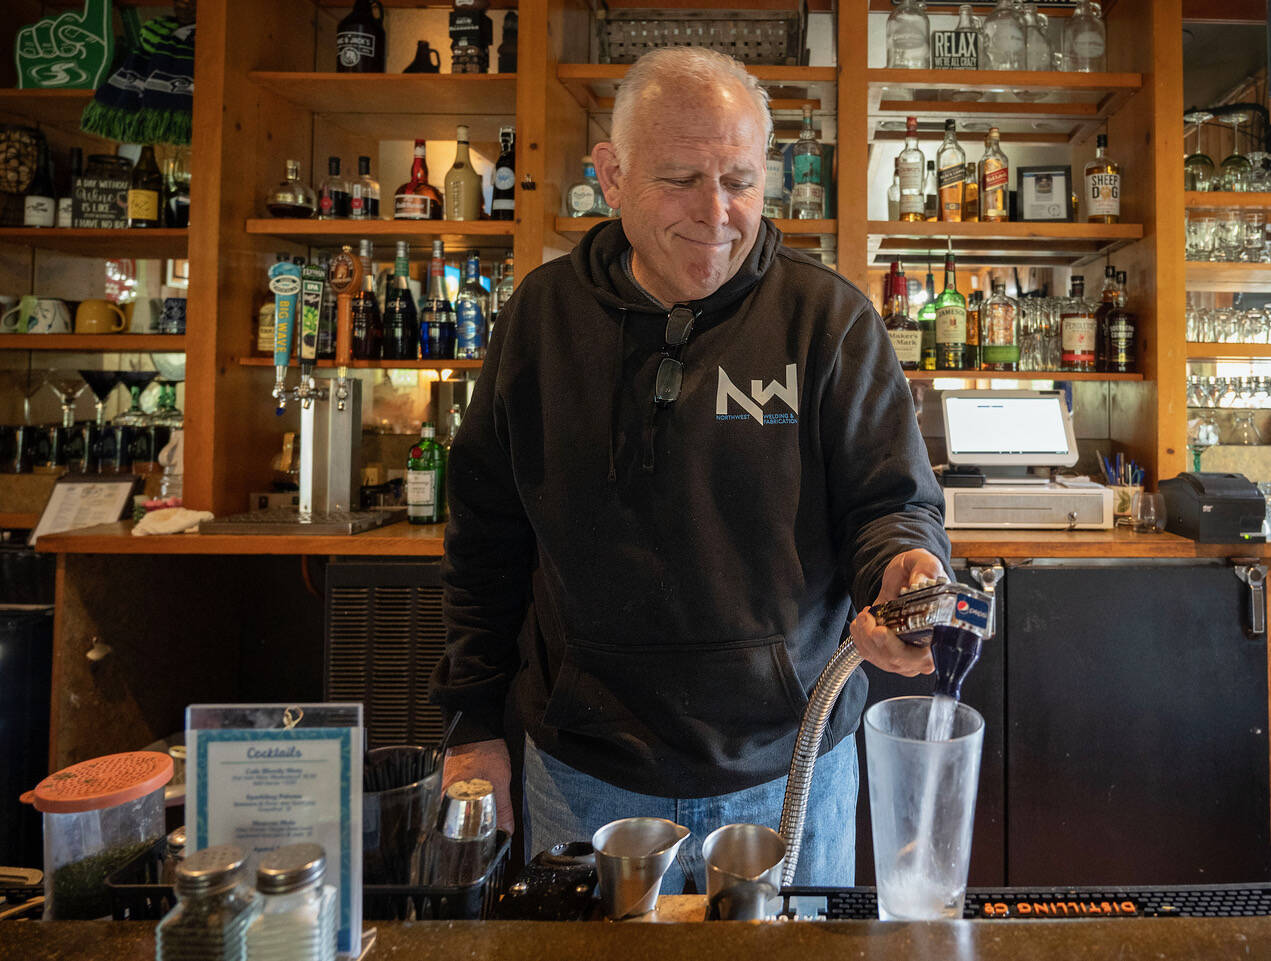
(345, 277)
(311, 278)
(284, 281)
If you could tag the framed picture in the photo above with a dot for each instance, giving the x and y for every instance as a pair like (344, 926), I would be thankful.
(1045, 193)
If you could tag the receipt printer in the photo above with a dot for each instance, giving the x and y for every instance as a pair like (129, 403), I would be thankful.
(1214, 508)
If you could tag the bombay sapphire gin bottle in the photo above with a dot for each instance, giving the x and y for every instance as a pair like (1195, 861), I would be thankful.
(909, 36)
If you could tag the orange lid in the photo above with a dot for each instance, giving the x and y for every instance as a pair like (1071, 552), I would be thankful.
(103, 782)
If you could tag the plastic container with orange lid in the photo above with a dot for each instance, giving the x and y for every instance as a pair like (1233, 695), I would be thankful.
(98, 815)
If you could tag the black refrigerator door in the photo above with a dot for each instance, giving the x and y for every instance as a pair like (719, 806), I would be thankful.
(1137, 727)
(983, 690)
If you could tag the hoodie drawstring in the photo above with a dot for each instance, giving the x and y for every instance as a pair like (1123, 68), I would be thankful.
(617, 392)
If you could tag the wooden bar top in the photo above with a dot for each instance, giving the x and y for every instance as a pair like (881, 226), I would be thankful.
(425, 540)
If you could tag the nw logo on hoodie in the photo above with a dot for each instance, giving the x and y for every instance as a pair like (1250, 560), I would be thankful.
(754, 403)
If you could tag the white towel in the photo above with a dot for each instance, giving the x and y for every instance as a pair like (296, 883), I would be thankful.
(170, 520)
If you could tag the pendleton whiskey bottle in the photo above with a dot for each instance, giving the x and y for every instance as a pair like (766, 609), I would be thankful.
(951, 335)
(1103, 186)
(995, 176)
(906, 338)
(1077, 329)
(950, 172)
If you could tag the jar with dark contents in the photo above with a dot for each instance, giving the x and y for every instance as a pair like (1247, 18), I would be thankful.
(215, 906)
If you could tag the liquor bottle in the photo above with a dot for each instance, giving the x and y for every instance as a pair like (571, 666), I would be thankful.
(893, 192)
(930, 194)
(503, 201)
(1085, 40)
(507, 48)
(584, 198)
(401, 320)
(176, 187)
(1122, 333)
(927, 323)
(145, 194)
(807, 201)
(368, 325)
(999, 331)
(911, 163)
(66, 192)
(885, 307)
(359, 39)
(437, 318)
(463, 183)
(364, 200)
(291, 198)
(39, 204)
(951, 335)
(334, 199)
(1004, 44)
(502, 293)
(974, 309)
(971, 195)
(1077, 329)
(472, 307)
(1107, 300)
(908, 36)
(454, 420)
(906, 337)
(776, 204)
(1103, 186)
(417, 199)
(950, 172)
(995, 176)
(426, 479)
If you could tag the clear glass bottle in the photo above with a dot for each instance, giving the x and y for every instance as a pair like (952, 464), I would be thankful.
(927, 323)
(807, 201)
(930, 194)
(893, 192)
(995, 178)
(454, 420)
(502, 292)
(950, 171)
(584, 198)
(298, 918)
(334, 199)
(1103, 186)
(1078, 330)
(1039, 54)
(292, 198)
(1004, 43)
(1085, 45)
(968, 55)
(463, 183)
(912, 164)
(472, 307)
(903, 330)
(909, 36)
(437, 316)
(426, 479)
(776, 199)
(417, 199)
(401, 320)
(951, 333)
(999, 331)
(215, 906)
(365, 193)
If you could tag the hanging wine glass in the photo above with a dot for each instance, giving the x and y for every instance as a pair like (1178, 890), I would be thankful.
(68, 385)
(34, 384)
(136, 381)
(1198, 167)
(1237, 170)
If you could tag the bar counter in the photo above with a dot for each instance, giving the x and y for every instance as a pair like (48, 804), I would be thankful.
(425, 540)
(1180, 939)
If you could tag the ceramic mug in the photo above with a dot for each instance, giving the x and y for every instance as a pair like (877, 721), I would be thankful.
(14, 320)
(172, 320)
(99, 317)
(51, 316)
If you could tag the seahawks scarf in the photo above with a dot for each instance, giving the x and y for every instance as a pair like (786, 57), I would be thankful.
(149, 98)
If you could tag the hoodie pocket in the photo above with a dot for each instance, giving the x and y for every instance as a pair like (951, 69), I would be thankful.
(713, 700)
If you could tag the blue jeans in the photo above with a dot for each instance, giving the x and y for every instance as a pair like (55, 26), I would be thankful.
(563, 804)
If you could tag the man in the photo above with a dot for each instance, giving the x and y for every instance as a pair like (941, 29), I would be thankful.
(689, 450)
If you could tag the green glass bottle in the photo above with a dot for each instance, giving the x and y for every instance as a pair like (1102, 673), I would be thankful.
(927, 324)
(950, 322)
(426, 479)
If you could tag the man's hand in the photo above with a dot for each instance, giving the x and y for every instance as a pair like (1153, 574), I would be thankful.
(879, 645)
(484, 759)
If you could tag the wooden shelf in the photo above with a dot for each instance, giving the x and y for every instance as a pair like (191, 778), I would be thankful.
(1227, 351)
(160, 243)
(401, 106)
(1228, 278)
(54, 108)
(998, 244)
(796, 233)
(1225, 198)
(415, 232)
(984, 9)
(9, 519)
(111, 343)
(1074, 104)
(593, 86)
(1018, 375)
(373, 364)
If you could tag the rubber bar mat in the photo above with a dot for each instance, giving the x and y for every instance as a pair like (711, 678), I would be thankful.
(1112, 901)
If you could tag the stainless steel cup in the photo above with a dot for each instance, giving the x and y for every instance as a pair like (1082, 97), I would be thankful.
(631, 856)
(743, 870)
(468, 837)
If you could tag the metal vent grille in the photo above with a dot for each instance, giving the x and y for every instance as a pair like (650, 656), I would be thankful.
(384, 636)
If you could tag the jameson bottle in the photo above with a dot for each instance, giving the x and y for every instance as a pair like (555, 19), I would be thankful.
(401, 322)
(906, 337)
(927, 323)
(437, 320)
(359, 39)
(951, 335)
(950, 172)
(999, 331)
(368, 327)
(995, 176)
(426, 479)
(807, 201)
(145, 192)
(503, 201)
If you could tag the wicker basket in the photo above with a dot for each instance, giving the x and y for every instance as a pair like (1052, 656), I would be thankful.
(752, 36)
(19, 154)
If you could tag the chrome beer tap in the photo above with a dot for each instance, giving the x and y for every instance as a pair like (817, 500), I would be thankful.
(346, 277)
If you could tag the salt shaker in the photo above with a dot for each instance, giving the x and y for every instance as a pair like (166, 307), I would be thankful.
(297, 920)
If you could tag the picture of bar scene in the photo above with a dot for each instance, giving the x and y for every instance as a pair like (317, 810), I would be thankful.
(532, 478)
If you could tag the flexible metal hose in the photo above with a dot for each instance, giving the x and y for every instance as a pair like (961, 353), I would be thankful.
(815, 716)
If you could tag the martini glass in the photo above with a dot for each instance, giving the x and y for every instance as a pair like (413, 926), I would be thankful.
(34, 383)
(136, 381)
(1237, 170)
(1198, 167)
(68, 385)
(102, 383)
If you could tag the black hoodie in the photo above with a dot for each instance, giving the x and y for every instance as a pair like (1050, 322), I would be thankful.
(660, 594)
